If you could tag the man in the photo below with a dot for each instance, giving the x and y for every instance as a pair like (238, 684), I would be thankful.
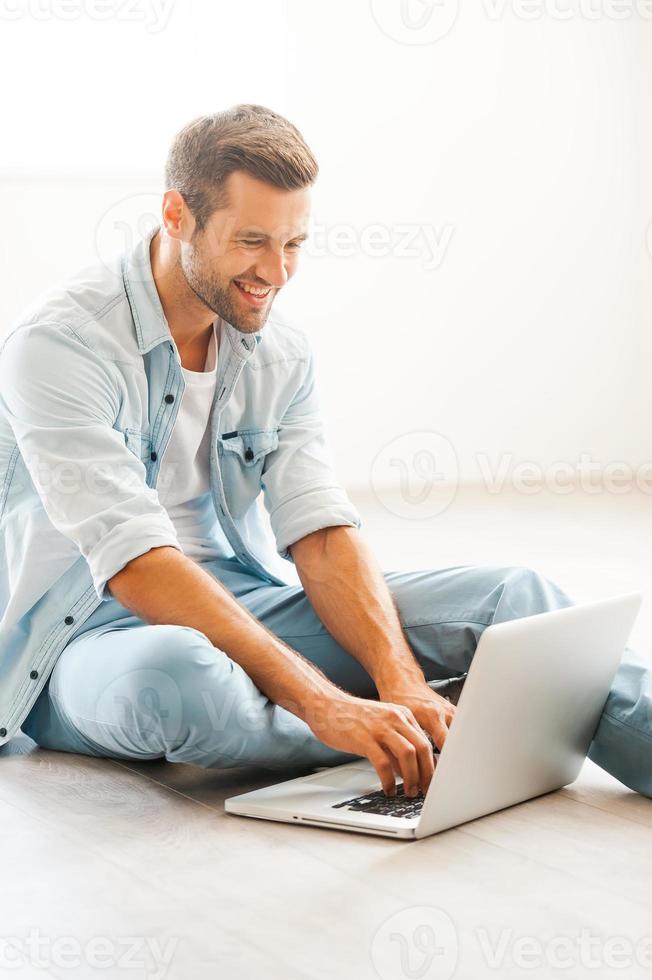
(142, 409)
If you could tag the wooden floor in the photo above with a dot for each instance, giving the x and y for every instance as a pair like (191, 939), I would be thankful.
(135, 870)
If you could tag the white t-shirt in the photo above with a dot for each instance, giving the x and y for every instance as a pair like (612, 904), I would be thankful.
(183, 483)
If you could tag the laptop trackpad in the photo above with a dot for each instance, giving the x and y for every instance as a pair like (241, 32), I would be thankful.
(356, 776)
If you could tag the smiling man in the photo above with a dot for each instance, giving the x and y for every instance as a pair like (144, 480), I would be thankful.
(144, 406)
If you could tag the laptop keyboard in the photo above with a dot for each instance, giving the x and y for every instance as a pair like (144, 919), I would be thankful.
(400, 805)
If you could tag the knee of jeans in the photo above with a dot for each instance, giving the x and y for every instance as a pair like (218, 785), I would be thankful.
(183, 653)
(630, 697)
(529, 591)
(171, 640)
(161, 696)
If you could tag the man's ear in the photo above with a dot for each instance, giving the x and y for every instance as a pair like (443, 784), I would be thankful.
(178, 220)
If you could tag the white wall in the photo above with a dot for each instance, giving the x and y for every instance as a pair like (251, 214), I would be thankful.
(520, 147)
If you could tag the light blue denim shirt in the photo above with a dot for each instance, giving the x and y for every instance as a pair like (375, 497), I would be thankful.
(90, 386)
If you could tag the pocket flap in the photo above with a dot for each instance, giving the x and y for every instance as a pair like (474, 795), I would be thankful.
(251, 445)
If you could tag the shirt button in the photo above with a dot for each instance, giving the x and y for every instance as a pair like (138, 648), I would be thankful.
(169, 399)
(3, 732)
(153, 457)
(249, 453)
(33, 674)
(69, 620)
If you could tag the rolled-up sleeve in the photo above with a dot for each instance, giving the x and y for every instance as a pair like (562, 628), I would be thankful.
(300, 487)
(62, 400)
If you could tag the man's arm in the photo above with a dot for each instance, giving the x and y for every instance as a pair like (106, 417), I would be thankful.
(316, 526)
(348, 591)
(62, 401)
(165, 586)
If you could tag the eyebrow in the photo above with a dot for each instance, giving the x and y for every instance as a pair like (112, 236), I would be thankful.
(253, 233)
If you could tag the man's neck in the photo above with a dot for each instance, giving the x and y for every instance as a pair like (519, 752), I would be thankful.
(190, 323)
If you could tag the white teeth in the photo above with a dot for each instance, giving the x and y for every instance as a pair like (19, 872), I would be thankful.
(252, 290)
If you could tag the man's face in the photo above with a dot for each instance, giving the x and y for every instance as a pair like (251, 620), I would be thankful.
(255, 242)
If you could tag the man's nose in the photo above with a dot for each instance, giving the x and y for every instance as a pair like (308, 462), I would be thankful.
(272, 269)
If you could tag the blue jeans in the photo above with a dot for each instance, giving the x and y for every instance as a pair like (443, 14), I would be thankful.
(129, 690)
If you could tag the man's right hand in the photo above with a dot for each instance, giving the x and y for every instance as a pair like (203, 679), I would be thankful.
(387, 734)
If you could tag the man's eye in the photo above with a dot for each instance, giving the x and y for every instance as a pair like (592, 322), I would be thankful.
(252, 241)
(295, 244)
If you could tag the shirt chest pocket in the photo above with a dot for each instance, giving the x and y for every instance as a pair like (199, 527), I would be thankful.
(243, 458)
(137, 442)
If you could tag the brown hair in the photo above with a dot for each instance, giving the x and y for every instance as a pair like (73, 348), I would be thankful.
(252, 138)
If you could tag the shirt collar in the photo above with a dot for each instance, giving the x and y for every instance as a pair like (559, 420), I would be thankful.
(149, 319)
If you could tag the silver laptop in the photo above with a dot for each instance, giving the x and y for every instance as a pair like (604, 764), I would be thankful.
(523, 726)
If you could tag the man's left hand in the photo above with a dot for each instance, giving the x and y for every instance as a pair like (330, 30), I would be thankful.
(433, 713)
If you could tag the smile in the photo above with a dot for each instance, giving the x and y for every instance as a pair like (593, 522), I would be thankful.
(253, 292)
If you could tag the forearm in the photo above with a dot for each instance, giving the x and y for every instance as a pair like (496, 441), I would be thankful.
(165, 586)
(348, 591)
